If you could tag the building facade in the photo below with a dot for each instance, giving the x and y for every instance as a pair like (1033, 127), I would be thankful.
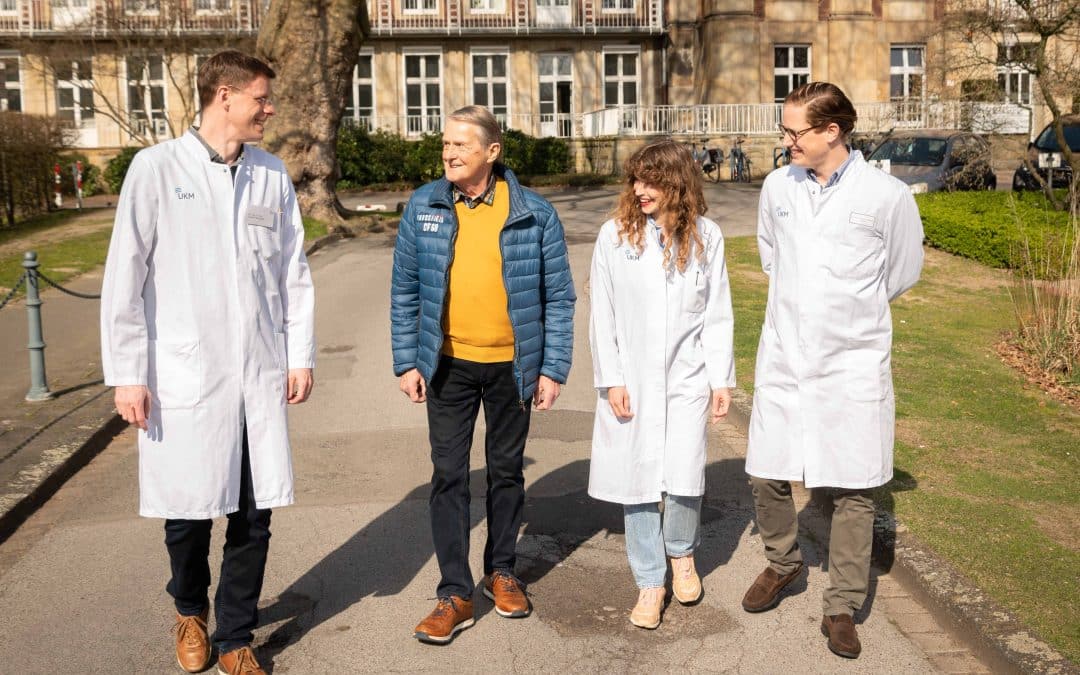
(121, 72)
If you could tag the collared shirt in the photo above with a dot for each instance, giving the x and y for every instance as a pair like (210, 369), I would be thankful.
(488, 196)
(835, 177)
(215, 156)
(659, 230)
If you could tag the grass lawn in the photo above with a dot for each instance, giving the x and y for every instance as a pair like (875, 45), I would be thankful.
(63, 258)
(988, 468)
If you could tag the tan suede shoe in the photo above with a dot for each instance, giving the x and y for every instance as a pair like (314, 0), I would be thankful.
(843, 638)
(239, 662)
(192, 642)
(685, 582)
(650, 603)
(764, 593)
(450, 615)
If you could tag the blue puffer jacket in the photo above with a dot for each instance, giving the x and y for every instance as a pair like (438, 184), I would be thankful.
(536, 274)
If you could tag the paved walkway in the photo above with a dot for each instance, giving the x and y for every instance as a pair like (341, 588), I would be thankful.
(351, 569)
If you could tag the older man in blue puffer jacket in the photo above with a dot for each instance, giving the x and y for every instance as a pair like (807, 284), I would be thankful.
(482, 308)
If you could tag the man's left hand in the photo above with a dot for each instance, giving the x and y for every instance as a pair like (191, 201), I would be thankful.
(299, 385)
(547, 390)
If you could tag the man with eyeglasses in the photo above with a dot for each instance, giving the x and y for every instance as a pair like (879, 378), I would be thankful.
(839, 240)
(207, 334)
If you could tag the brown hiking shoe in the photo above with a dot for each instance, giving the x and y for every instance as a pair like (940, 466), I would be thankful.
(507, 593)
(192, 642)
(765, 592)
(843, 638)
(450, 615)
(239, 662)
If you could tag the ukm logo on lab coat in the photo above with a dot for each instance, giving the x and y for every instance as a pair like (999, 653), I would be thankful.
(180, 194)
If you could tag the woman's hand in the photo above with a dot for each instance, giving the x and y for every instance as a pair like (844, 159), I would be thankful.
(721, 401)
(619, 400)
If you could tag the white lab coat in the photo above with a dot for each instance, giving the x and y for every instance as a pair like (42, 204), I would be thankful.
(667, 337)
(207, 300)
(823, 395)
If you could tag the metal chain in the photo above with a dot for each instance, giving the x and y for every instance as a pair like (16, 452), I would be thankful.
(85, 296)
(13, 291)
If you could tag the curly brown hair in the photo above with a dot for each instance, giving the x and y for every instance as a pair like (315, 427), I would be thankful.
(667, 166)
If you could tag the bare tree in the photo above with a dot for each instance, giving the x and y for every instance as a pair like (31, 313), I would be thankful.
(1039, 37)
(313, 45)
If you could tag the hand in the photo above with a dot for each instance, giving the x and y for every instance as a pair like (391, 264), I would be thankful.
(619, 400)
(299, 385)
(412, 383)
(133, 404)
(721, 401)
(547, 390)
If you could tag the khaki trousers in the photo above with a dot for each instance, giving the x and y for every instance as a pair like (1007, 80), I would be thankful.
(850, 537)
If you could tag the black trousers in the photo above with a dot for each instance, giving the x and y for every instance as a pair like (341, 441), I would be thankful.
(453, 400)
(247, 540)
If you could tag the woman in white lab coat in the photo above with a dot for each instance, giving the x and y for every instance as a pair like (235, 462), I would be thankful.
(661, 339)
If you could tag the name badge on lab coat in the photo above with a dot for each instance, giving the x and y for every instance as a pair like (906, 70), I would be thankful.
(260, 216)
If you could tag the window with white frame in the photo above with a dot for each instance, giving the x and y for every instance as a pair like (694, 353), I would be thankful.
(213, 6)
(423, 92)
(360, 104)
(420, 6)
(142, 6)
(10, 82)
(490, 84)
(8, 7)
(906, 72)
(487, 6)
(1014, 72)
(617, 6)
(791, 69)
(146, 93)
(75, 92)
(556, 76)
(620, 77)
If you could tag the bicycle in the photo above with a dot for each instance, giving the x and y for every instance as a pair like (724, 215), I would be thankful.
(781, 156)
(710, 164)
(740, 162)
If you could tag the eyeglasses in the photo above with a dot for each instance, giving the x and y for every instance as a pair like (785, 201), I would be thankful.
(263, 101)
(796, 135)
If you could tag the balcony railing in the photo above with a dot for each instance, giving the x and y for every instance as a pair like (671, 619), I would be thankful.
(111, 18)
(453, 17)
(745, 119)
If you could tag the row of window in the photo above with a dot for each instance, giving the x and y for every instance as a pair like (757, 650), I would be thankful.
(146, 81)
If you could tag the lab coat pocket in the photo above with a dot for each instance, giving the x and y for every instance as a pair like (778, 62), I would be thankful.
(863, 375)
(175, 374)
(280, 352)
(695, 290)
(853, 260)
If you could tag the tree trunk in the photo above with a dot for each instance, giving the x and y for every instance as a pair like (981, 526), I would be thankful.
(313, 45)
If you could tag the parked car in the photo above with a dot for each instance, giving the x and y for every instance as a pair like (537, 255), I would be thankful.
(1047, 141)
(930, 160)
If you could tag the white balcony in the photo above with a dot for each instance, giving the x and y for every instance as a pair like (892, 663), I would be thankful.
(111, 18)
(456, 17)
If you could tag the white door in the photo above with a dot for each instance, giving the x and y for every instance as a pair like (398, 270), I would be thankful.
(556, 95)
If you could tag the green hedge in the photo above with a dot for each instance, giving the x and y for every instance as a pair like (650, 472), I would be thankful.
(377, 157)
(999, 229)
(117, 168)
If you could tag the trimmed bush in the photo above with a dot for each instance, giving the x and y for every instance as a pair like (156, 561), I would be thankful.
(117, 168)
(377, 157)
(999, 229)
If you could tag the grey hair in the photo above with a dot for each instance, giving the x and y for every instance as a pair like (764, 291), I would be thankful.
(481, 117)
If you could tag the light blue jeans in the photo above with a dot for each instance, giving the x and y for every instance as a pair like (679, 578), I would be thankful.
(649, 536)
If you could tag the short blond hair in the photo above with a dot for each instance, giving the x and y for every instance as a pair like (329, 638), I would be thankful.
(481, 117)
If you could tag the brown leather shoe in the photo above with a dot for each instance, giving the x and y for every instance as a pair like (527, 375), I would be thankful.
(843, 638)
(765, 592)
(450, 615)
(239, 662)
(192, 642)
(507, 593)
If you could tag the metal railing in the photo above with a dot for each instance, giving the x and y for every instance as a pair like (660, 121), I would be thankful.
(541, 125)
(389, 17)
(111, 18)
(32, 277)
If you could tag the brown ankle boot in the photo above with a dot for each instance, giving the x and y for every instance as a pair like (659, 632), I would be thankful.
(192, 642)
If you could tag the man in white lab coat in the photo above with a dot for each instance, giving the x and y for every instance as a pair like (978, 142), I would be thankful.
(207, 333)
(839, 239)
